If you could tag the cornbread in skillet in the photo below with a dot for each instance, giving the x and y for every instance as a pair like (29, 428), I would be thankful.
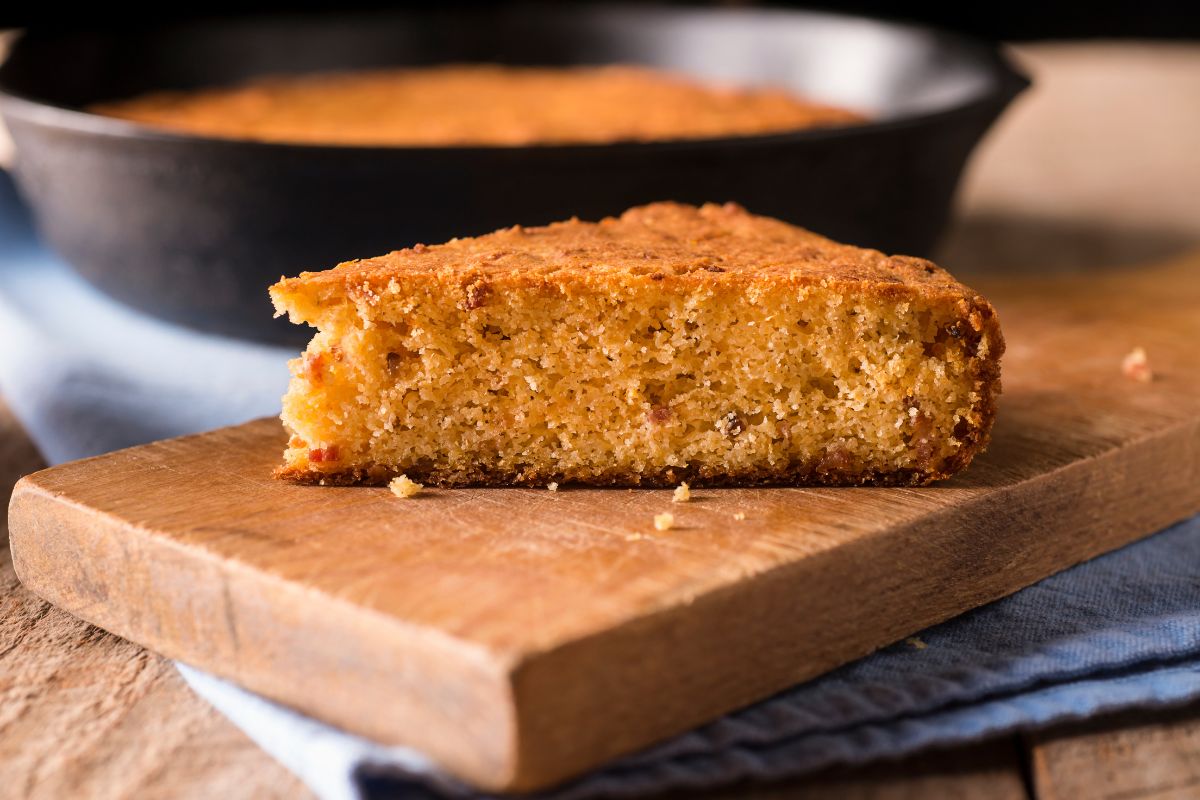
(671, 344)
(478, 105)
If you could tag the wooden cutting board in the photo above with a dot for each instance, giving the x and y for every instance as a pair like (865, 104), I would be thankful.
(521, 637)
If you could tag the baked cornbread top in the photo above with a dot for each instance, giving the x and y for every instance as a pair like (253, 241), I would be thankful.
(665, 242)
(477, 105)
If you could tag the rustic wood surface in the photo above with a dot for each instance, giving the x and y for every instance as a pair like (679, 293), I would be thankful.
(1034, 200)
(1132, 756)
(1094, 167)
(85, 713)
(18, 457)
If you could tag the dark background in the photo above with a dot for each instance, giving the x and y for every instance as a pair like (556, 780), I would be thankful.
(1013, 20)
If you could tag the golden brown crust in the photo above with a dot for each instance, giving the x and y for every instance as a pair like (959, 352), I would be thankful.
(669, 243)
(478, 105)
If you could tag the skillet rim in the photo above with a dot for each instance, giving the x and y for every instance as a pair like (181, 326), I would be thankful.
(1005, 82)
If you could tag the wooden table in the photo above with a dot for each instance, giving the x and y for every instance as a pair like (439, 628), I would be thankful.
(1096, 167)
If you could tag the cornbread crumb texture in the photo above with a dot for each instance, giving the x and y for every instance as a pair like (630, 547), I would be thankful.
(670, 344)
(1136, 366)
(682, 494)
(403, 487)
(478, 105)
(664, 521)
(739, 516)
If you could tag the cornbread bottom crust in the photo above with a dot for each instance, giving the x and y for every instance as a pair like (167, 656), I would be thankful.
(671, 344)
(796, 475)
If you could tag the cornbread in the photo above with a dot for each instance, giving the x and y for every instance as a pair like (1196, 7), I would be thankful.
(403, 487)
(670, 344)
(1136, 366)
(477, 105)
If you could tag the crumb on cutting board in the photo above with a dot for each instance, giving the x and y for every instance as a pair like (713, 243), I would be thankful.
(403, 487)
(683, 493)
(664, 521)
(1136, 366)
(552, 486)
(739, 516)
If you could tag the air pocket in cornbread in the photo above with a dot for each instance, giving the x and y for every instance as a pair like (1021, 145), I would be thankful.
(670, 344)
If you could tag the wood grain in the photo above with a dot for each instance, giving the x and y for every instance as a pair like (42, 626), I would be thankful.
(483, 626)
(1125, 757)
(18, 457)
(86, 714)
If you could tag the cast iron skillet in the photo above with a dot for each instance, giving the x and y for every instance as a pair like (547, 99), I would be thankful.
(193, 229)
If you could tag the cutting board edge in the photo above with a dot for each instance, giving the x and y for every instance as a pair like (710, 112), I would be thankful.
(537, 751)
(553, 671)
(45, 526)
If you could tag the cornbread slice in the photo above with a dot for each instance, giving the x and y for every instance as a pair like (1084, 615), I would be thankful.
(478, 104)
(672, 343)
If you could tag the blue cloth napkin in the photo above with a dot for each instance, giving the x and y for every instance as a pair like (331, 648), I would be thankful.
(86, 375)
